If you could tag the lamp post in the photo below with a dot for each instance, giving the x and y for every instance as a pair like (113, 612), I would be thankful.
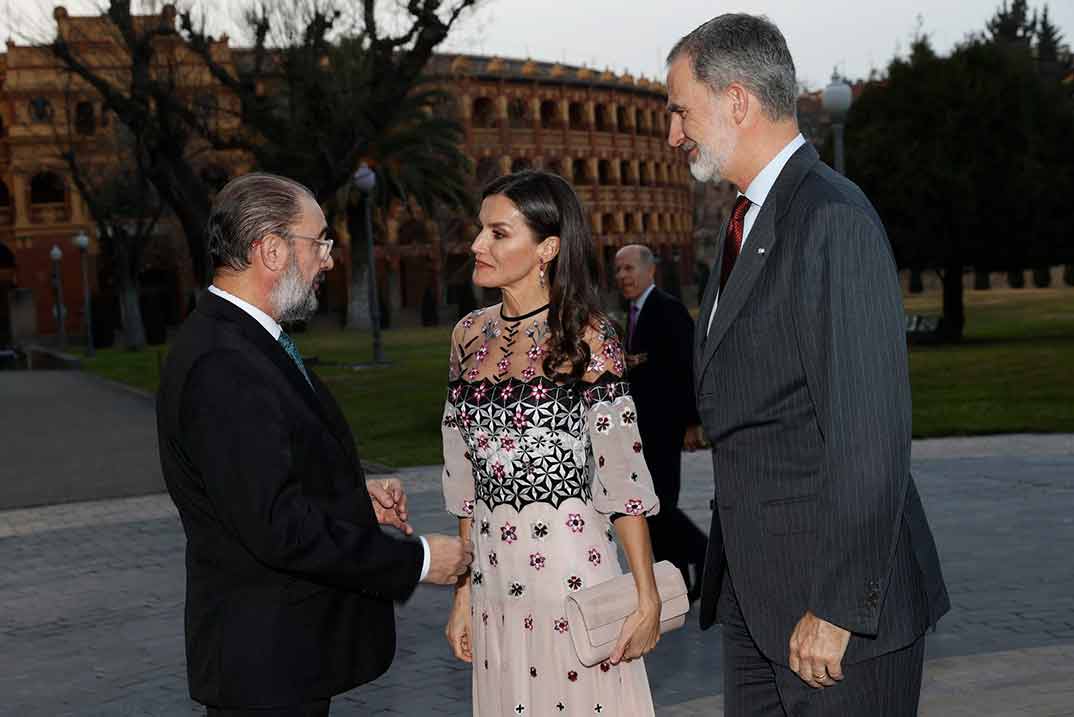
(57, 283)
(82, 242)
(836, 101)
(365, 181)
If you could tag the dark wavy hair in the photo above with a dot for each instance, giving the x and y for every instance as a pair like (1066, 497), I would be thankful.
(551, 208)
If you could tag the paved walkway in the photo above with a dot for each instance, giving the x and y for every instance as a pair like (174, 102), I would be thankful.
(91, 593)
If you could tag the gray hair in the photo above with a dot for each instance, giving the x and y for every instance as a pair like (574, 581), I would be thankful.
(748, 49)
(645, 254)
(247, 209)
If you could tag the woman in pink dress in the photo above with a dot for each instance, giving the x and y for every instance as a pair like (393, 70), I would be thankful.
(543, 465)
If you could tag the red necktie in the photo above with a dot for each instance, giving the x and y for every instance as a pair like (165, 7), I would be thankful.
(733, 244)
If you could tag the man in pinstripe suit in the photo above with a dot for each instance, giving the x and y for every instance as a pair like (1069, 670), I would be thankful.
(821, 565)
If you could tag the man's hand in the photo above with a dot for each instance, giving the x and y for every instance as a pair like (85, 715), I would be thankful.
(817, 649)
(449, 558)
(389, 503)
(694, 440)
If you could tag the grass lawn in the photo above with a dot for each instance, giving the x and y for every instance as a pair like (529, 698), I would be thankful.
(1013, 373)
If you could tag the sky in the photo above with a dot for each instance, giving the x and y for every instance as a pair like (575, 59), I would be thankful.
(853, 36)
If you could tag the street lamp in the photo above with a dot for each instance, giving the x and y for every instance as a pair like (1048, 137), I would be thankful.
(836, 101)
(365, 181)
(82, 242)
(57, 283)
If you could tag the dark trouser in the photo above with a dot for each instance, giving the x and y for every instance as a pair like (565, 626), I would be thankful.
(312, 709)
(673, 534)
(885, 686)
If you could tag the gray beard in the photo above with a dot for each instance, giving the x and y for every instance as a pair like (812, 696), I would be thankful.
(292, 298)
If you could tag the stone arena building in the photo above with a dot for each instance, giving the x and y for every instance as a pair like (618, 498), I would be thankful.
(602, 131)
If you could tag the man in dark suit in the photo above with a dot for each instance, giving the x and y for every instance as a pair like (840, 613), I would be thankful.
(290, 580)
(659, 355)
(821, 564)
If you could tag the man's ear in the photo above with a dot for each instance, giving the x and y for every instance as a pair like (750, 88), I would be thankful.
(272, 250)
(740, 102)
(549, 249)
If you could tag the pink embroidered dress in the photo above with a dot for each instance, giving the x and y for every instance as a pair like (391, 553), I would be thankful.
(540, 466)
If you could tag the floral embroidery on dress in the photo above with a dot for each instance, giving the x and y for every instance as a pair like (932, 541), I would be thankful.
(537, 458)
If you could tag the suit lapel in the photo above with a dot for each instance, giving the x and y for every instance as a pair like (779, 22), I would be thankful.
(755, 252)
(256, 334)
(646, 313)
(709, 300)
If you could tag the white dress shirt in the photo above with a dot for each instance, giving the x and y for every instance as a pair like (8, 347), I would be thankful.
(640, 301)
(274, 329)
(757, 193)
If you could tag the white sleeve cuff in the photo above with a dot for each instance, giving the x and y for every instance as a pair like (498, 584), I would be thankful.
(426, 559)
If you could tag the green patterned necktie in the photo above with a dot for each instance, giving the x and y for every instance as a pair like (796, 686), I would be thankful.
(292, 351)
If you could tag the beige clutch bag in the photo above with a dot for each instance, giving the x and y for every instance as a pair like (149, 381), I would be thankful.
(596, 615)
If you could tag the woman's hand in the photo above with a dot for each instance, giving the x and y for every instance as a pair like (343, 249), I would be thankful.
(640, 633)
(458, 626)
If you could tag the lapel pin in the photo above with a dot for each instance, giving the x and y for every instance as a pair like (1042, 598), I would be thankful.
(761, 250)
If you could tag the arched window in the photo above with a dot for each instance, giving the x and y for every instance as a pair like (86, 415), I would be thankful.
(604, 119)
(3, 130)
(85, 121)
(484, 115)
(581, 172)
(605, 169)
(40, 110)
(577, 116)
(521, 164)
(624, 172)
(607, 224)
(646, 178)
(554, 166)
(624, 123)
(631, 222)
(549, 114)
(518, 113)
(5, 196)
(47, 188)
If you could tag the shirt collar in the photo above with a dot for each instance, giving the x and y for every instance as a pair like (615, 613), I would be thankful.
(257, 314)
(762, 184)
(640, 301)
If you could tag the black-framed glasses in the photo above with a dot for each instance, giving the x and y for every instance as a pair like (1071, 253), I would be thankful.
(325, 244)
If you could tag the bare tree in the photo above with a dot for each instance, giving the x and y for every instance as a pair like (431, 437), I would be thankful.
(110, 170)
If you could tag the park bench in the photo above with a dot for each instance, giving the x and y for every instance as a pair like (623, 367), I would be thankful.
(922, 329)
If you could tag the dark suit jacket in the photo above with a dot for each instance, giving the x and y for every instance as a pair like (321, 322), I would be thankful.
(663, 386)
(804, 392)
(290, 580)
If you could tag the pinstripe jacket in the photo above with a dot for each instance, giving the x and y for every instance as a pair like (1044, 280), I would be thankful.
(804, 393)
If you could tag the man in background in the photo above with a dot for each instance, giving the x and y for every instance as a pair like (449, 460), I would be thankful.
(659, 350)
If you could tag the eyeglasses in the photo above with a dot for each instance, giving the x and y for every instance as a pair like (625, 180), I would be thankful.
(325, 244)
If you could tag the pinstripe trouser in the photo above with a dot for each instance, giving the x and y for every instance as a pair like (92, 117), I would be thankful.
(885, 686)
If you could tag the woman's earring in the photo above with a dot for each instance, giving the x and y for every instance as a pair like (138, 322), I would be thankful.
(540, 274)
